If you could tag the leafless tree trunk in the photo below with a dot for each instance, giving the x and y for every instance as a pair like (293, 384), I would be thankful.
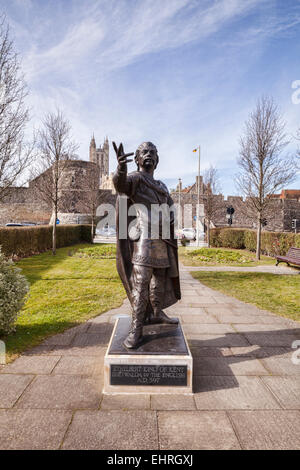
(55, 147)
(263, 168)
(211, 200)
(90, 197)
(15, 154)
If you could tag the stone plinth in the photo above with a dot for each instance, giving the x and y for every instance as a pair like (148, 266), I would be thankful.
(162, 364)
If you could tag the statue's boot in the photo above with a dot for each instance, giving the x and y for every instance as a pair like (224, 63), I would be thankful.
(135, 335)
(161, 317)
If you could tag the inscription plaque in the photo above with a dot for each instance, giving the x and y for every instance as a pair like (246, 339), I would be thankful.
(123, 374)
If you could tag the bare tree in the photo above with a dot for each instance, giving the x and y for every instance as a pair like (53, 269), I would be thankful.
(211, 200)
(264, 169)
(15, 154)
(55, 147)
(90, 199)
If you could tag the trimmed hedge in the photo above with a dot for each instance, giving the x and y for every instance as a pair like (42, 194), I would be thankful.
(272, 243)
(19, 242)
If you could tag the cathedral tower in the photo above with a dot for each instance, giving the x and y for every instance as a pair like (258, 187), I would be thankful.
(101, 157)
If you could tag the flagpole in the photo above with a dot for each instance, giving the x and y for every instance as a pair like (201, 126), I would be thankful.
(198, 203)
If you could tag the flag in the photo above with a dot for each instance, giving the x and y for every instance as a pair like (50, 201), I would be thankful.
(195, 150)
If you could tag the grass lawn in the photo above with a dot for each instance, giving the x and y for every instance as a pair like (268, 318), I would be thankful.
(221, 256)
(278, 294)
(65, 290)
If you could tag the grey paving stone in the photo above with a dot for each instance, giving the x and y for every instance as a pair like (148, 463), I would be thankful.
(201, 300)
(274, 339)
(245, 366)
(235, 318)
(281, 366)
(31, 365)
(226, 340)
(207, 329)
(63, 339)
(81, 365)
(185, 310)
(228, 366)
(103, 330)
(276, 328)
(211, 352)
(260, 352)
(93, 350)
(125, 402)
(195, 319)
(62, 392)
(32, 429)
(39, 350)
(112, 430)
(286, 389)
(194, 430)
(221, 310)
(94, 340)
(175, 402)
(232, 393)
(189, 293)
(267, 429)
(11, 388)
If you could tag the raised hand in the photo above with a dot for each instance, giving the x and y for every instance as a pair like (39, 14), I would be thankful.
(121, 156)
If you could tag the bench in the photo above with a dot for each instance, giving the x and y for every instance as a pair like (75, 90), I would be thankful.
(292, 257)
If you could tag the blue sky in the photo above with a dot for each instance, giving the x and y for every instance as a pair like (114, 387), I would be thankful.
(177, 72)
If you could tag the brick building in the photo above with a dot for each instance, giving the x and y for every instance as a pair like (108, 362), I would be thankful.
(284, 207)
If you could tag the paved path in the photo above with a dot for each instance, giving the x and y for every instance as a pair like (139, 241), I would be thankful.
(246, 386)
(253, 269)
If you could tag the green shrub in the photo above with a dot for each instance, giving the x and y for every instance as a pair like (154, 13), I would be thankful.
(232, 238)
(13, 290)
(19, 242)
(272, 243)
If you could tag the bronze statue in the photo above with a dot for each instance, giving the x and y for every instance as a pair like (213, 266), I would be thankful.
(147, 263)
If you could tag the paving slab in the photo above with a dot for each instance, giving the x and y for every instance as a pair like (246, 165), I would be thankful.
(232, 393)
(210, 352)
(267, 429)
(112, 430)
(195, 319)
(125, 402)
(260, 352)
(281, 366)
(11, 388)
(93, 350)
(81, 365)
(203, 430)
(62, 392)
(31, 365)
(64, 339)
(228, 366)
(273, 328)
(206, 328)
(271, 339)
(32, 429)
(286, 390)
(214, 340)
(178, 402)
